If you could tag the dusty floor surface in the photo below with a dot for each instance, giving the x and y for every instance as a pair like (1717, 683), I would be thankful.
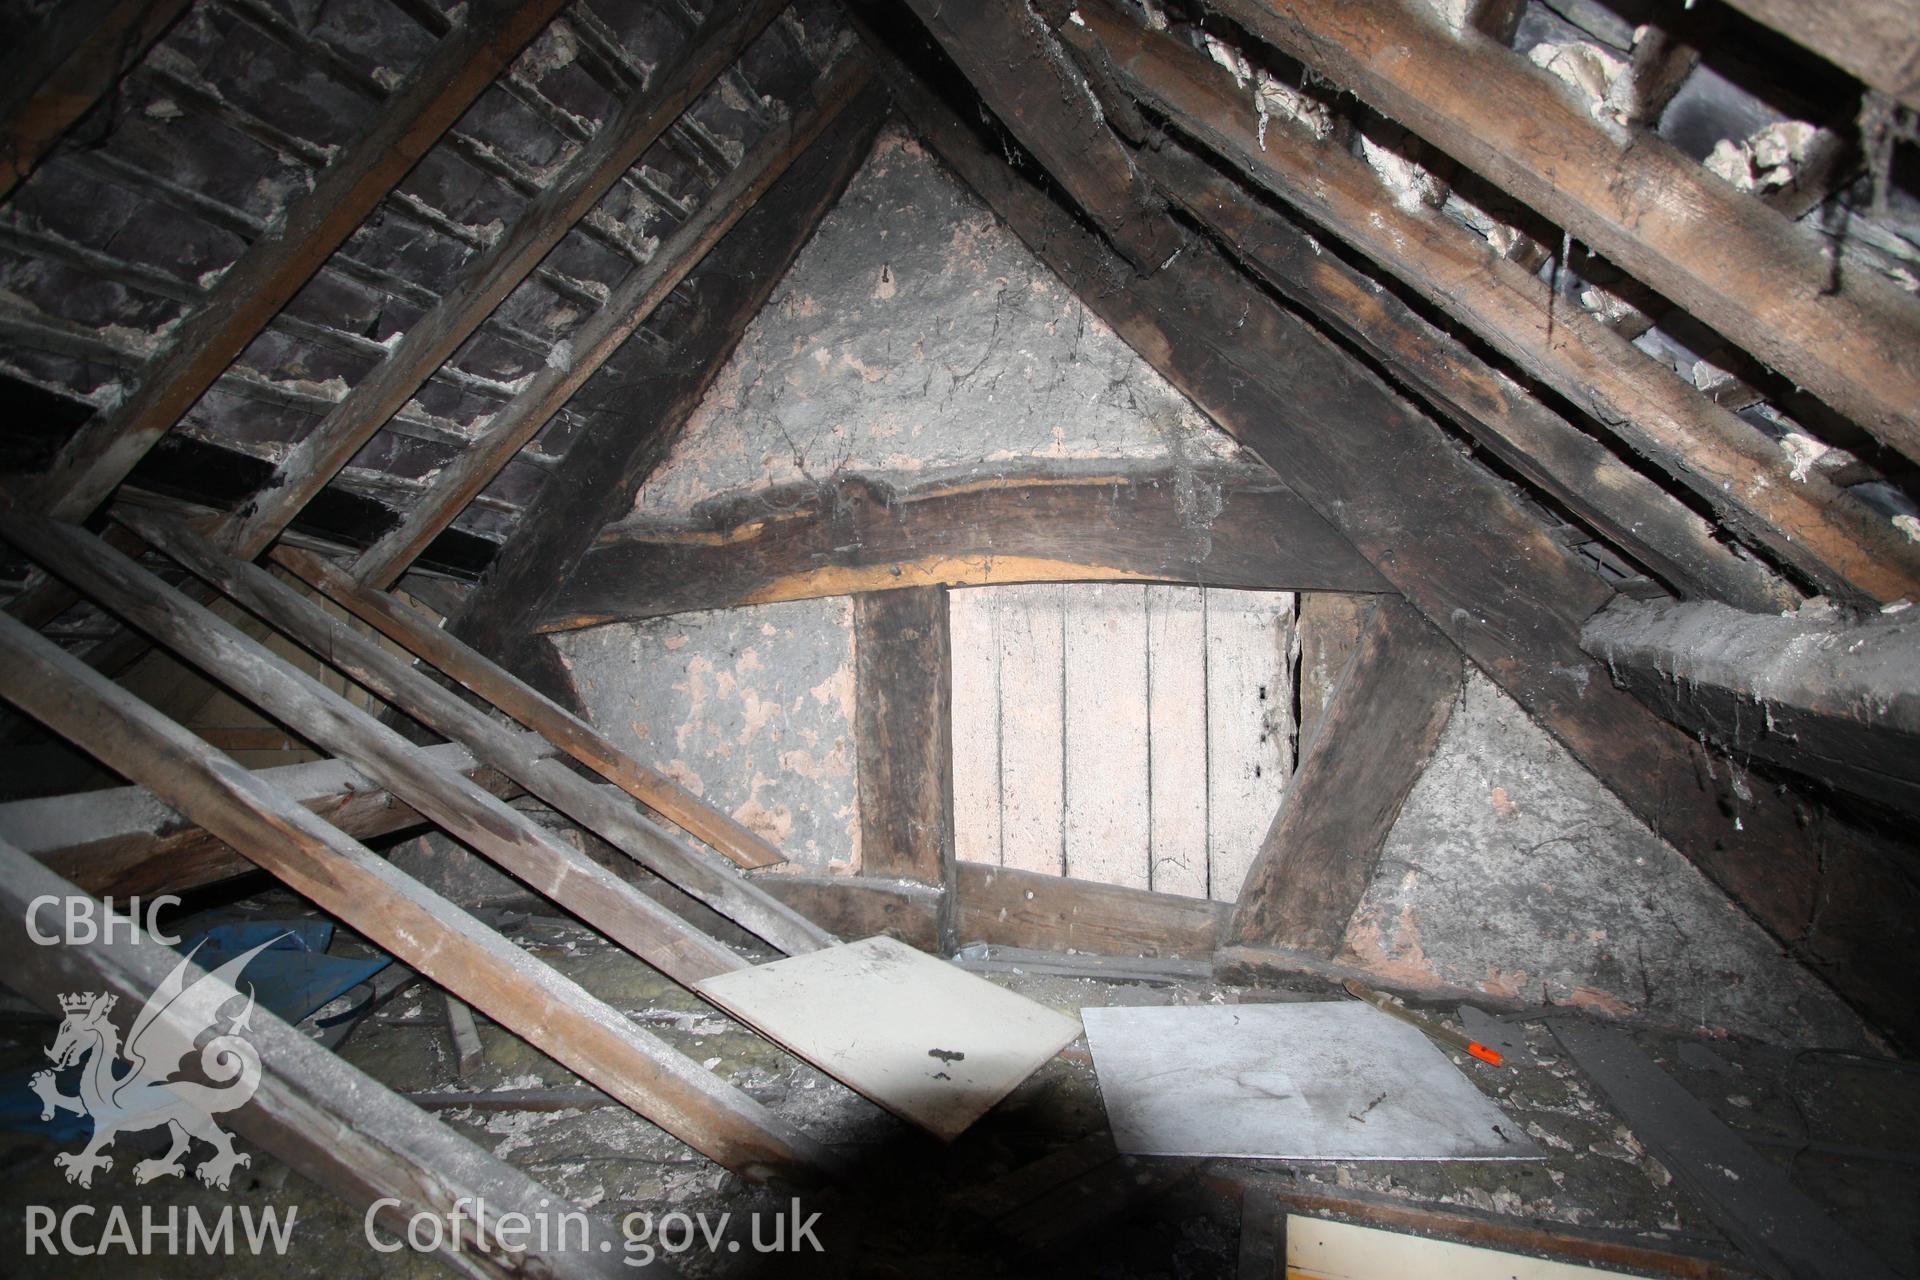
(916, 1208)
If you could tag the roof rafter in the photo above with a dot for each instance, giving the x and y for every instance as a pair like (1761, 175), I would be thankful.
(1763, 282)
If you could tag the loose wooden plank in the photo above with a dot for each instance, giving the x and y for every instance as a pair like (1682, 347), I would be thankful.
(1578, 1244)
(903, 734)
(493, 274)
(1107, 831)
(853, 536)
(1740, 473)
(1053, 913)
(1177, 725)
(1631, 511)
(317, 1112)
(625, 310)
(1477, 566)
(58, 71)
(1373, 742)
(126, 841)
(1249, 670)
(1033, 749)
(1758, 279)
(1834, 700)
(1008, 52)
(288, 695)
(1879, 41)
(604, 467)
(702, 874)
(110, 444)
(411, 630)
(862, 906)
(429, 934)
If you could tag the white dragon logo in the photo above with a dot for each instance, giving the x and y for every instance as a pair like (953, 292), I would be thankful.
(146, 1096)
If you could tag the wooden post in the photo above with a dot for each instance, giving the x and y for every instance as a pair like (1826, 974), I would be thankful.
(282, 691)
(903, 736)
(320, 1114)
(412, 631)
(699, 873)
(1368, 749)
(429, 934)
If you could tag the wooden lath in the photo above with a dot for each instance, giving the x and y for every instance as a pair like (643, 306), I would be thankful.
(314, 1110)
(496, 272)
(111, 444)
(1764, 283)
(1808, 524)
(605, 464)
(624, 311)
(365, 891)
(58, 72)
(704, 875)
(417, 634)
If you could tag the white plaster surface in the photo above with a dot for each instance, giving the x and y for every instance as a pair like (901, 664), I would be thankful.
(1513, 871)
(915, 339)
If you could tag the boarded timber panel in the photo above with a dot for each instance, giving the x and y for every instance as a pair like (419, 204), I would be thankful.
(1031, 624)
(1249, 744)
(973, 626)
(1177, 714)
(1108, 827)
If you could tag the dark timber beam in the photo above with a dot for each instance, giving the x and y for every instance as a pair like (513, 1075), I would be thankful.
(1625, 507)
(1809, 524)
(1027, 79)
(282, 691)
(495, 272)
(56, 72)
(314, 1110)
(422, 929)
(613, 817)
(625, 310)
(1836, 700)
(604, 467)
(854, 536)
(1476, 564)
(1760, 280)
(1371, 744)
(414, 632)
(903, 735)
(1877, 40)
(126, 841)
(271, 271)
(1058, 913)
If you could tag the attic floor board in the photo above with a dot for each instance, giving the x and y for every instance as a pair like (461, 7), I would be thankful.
(926, 1209)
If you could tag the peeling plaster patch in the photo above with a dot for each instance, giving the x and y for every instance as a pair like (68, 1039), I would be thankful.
(751, 709)
(1508, 852)
(1767, 159)
(914, 336)
(1597, 75)
(1909, 526)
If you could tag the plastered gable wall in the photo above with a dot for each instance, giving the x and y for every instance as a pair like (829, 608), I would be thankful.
(1512, 871)
(916, 340)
